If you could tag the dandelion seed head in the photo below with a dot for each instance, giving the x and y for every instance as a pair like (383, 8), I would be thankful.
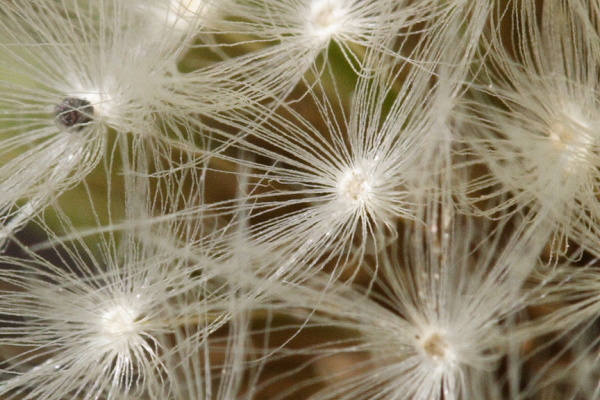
(354, 187)
(114, 100)
(119, 321)
(436, 346)
(182, 15)
(569, 136)
(326, 17)
(188, 8)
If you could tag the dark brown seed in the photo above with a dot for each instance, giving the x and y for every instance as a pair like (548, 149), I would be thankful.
(73, 112)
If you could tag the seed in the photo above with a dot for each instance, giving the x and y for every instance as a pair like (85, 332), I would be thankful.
(74, 113)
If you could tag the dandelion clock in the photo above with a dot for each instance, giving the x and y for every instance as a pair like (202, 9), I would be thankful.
(317, 187)
(308, 39)
(72, 73)
(435, 324)
(285, 39)
(121, 317)
(330, 177)
(535, 120)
